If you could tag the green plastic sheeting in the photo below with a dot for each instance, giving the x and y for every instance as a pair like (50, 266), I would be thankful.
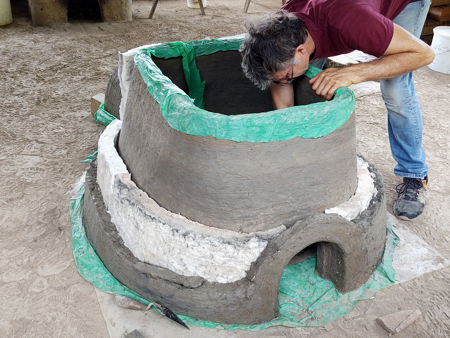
(102, 116)
(186, 115)
(304, 299)
(88, 264)
(90, 157)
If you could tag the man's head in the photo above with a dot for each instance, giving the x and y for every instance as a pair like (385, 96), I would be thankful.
(273, 49)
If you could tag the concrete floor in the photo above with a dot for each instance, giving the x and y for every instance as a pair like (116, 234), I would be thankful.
(48, 76)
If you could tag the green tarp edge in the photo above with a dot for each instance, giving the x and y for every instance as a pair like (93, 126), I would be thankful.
(309, 121)
(191, 74)
(102, 116)
(304, 299)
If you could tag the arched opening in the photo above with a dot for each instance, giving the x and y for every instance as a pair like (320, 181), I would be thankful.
(304, 254)
(83, 10)
(329, 261)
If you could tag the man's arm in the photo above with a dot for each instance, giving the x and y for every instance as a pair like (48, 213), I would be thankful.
(404, 54)
(282, 95)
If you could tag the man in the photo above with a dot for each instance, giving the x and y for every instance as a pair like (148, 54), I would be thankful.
(279, 47)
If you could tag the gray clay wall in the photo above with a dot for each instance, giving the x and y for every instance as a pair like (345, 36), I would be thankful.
(242, 186)
(347, 254)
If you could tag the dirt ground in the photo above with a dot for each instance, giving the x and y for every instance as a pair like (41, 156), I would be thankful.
(48, 76)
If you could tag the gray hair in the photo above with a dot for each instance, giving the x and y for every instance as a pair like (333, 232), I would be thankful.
(270, 46)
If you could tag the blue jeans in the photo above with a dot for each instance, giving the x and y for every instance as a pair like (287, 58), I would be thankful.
(404, 114)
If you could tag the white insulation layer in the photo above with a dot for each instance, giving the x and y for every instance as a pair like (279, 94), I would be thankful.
(155, 235)
(125, 71)
(363, 195)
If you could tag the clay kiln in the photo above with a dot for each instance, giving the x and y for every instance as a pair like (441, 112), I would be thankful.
(199, 202)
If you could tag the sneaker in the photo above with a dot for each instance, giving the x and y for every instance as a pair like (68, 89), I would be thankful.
(411, 199)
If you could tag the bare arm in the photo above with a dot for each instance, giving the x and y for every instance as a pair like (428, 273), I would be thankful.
(282, 95)
(404, 54)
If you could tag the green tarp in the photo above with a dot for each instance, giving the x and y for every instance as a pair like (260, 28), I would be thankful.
(304, 299)
(186, 114)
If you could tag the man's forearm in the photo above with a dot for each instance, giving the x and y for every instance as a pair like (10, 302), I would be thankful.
(404, 54)
(389, 66)
(282, 95)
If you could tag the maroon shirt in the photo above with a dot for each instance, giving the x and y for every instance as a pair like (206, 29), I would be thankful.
(341, 26)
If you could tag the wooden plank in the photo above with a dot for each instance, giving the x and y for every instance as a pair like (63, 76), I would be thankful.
(441, 13)
(152, 11)
(429, 25)
(435, 3)
(200, 3)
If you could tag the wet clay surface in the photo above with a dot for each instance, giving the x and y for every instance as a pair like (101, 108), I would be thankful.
(342, 246)
(48, 76)
(241, 186)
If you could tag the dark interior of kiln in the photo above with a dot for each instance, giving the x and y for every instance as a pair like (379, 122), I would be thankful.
(83, 10)
(227, 90)
(304, 254)
(76, 10)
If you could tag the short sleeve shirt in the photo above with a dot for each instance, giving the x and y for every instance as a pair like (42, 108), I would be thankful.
(341, 26)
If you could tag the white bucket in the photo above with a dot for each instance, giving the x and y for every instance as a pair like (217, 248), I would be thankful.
(441, 47)
(195, 4)
(5, 12)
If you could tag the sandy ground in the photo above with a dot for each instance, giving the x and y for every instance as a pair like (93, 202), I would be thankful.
(48, 76)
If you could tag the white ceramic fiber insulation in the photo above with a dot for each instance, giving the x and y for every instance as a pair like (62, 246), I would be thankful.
(363, 195)
(125, 70)
(157, 236)
(109, 163)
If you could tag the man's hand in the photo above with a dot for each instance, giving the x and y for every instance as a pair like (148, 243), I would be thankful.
(328, 81)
